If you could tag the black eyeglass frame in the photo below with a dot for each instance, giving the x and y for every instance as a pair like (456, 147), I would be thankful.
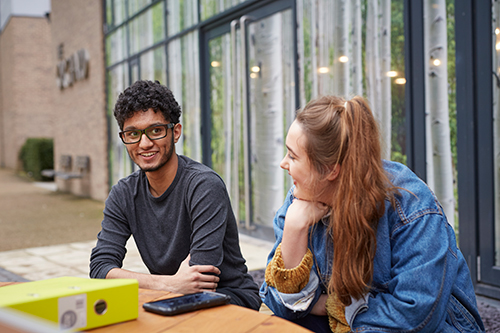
(143, 132)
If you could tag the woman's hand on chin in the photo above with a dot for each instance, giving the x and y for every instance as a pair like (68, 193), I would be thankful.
(303, 213)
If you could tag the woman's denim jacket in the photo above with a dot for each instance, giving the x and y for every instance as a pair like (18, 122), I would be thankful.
(421, 281)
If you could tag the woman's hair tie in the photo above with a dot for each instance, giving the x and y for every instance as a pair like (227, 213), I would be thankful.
(345, 105)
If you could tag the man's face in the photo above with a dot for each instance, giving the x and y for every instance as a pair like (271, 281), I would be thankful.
(151, 155)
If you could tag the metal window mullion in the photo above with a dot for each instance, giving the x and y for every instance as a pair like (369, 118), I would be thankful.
(244, 101)
(466, 140)
(484, 149)
(236, 123)
(415, 87)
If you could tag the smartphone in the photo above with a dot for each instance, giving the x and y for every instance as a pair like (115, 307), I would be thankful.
(186, 303)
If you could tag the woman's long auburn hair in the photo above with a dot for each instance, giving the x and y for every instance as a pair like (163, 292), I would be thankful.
(346, 133)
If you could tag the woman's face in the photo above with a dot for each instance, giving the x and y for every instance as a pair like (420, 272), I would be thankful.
(296, 162)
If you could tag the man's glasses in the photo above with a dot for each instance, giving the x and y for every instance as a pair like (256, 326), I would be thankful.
(155, 132)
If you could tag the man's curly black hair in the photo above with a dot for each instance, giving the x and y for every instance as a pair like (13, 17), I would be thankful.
(144, 95)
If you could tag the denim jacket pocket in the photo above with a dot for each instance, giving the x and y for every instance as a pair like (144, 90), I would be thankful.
(459, 319)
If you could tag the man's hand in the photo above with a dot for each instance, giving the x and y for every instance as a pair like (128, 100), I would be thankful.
(191, 279)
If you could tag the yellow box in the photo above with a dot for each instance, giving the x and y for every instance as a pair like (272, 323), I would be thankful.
(75, 303)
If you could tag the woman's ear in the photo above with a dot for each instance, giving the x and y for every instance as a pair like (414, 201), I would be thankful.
(334, 172)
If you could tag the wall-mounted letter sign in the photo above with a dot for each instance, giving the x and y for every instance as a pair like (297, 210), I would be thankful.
(72, 69)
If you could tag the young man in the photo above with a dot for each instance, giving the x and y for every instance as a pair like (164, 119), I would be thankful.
(178, 210)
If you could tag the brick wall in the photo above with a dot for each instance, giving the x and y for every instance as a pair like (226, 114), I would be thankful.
(26, 80)
(80, 128)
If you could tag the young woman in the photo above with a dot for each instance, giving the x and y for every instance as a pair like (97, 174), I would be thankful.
(362, 244)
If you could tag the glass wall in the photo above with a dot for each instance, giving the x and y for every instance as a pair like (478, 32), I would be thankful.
(135, 30)
(252, 104)
(340, 48)
(153, 64)
(271, 110)
(182, 14)
(184, 81)
(120, 164)
(147, 28)
(349, 48)
(135, 6)
(116, 46)
(346, 48)
(210, 8)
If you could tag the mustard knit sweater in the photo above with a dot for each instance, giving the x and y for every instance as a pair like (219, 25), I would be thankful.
(290, 281)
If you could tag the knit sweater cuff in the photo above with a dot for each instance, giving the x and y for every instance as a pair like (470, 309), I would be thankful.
(336, 315)
(288, 281)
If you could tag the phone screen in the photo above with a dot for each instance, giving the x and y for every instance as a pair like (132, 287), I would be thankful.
(186, 299)
(185, 303)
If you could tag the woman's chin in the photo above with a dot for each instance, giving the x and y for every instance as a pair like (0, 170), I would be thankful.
(302, 196)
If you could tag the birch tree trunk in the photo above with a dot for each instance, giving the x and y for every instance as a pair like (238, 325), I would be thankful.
(190, 13)
(289, 68)
(357, 44)
(301, 52)
(174, 65)
(323, 63)
(438, 102)
(228, 108)
(386, 101)
(314, 46)
(341, 59)
(369, 55)
(268, 119)
(429, 154)
(372, 59)
(192, 97)
(175, 81)
(236, 82)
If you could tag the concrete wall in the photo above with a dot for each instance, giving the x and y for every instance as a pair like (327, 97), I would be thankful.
(26, 85)
(80, 128)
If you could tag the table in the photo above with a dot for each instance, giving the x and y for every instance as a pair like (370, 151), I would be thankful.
(226, 318)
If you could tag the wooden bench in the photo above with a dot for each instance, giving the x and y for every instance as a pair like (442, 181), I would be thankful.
(82, 165)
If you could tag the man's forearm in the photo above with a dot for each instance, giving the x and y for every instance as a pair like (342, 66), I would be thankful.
(147, 281)
(187, 280)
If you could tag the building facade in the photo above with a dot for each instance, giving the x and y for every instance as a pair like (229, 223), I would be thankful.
(26, 82)
(78, 85)
(52, 85)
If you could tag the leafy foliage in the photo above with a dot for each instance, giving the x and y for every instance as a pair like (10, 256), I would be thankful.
(36, 155)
